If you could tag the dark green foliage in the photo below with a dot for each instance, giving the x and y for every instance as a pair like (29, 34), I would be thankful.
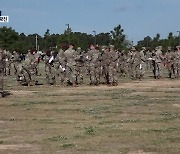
(11, 40)
(171, 40)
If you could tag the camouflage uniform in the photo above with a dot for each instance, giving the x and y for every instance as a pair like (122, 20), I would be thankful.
(80, 60)
(177, 62)
(169, 59)
(62, 66)
(15, 61)
(8, 63)
(49, 68)
(122, 64)
(26, 73)
(157, 68)
(94, 65)
(105, 64)
(2, 57)
(135, 62)
(71, 71)
(113, 79)
(143, 62)
(148, 56)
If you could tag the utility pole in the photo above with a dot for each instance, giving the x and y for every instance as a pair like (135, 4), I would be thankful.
(94, 37)
(179, 36)
(36, 43)
(68, 31)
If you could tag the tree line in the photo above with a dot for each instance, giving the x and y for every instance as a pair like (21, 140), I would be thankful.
(170, 41)
(12, 40)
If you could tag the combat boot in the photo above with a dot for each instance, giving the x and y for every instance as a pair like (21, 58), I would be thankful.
(1, 94)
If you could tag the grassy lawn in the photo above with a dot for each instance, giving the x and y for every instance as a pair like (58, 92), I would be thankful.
(136, 117)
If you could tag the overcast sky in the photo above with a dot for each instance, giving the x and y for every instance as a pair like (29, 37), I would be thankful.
(138, 18)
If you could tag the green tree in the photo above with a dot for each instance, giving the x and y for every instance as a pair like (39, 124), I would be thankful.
(8, 38)
(103, 39)
(146, 42)
(118, 37)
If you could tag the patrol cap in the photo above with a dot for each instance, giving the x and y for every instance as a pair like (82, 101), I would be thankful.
(160, 47)
(111, 46)
(104, 47)
(156, 48)
(133, 48)
(144, 48)
(169, 48)
(79, 48)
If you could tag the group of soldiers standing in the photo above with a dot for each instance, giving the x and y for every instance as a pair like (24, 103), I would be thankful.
(98, 65)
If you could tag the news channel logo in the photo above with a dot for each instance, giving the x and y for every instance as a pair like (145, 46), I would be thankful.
(4, 19)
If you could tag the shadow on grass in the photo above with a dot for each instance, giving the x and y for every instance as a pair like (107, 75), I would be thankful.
(5, 93)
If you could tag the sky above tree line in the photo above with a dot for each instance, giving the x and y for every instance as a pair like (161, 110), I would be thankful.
(138, 18)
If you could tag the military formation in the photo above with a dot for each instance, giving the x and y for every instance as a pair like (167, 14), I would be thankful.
(98, 65)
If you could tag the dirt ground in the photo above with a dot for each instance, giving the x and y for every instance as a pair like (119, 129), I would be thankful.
(136, 117)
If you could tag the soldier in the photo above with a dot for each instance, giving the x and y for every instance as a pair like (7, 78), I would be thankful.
(122, 63)
(62, 66)
(8, 63)
(143, 62)
(37, 61)
(148, 56)
(49, 68)
(80, 60)
(177, 62)
(158, 62)
(105, 64)
(71, 71)
(94, 57)
(135, 62)
(169, 61)
(2, 57)
(15, 61)
(113, 80)
(26, 73)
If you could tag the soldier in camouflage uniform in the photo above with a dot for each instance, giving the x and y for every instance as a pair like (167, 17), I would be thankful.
(177, 62)
(62, 66)
(80, 60)
(49, 68)
(158, 63)
(71, 71)
(143, 62)
(113, 79)
(105, 63)
(135, 62)
(169, 61)
(8, 63)
(122, 64)
(15, 61)
(94, 57)
(26, 74)
(2, 58)
(148, 56)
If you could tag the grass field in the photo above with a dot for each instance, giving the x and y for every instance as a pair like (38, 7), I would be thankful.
(136, 117)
